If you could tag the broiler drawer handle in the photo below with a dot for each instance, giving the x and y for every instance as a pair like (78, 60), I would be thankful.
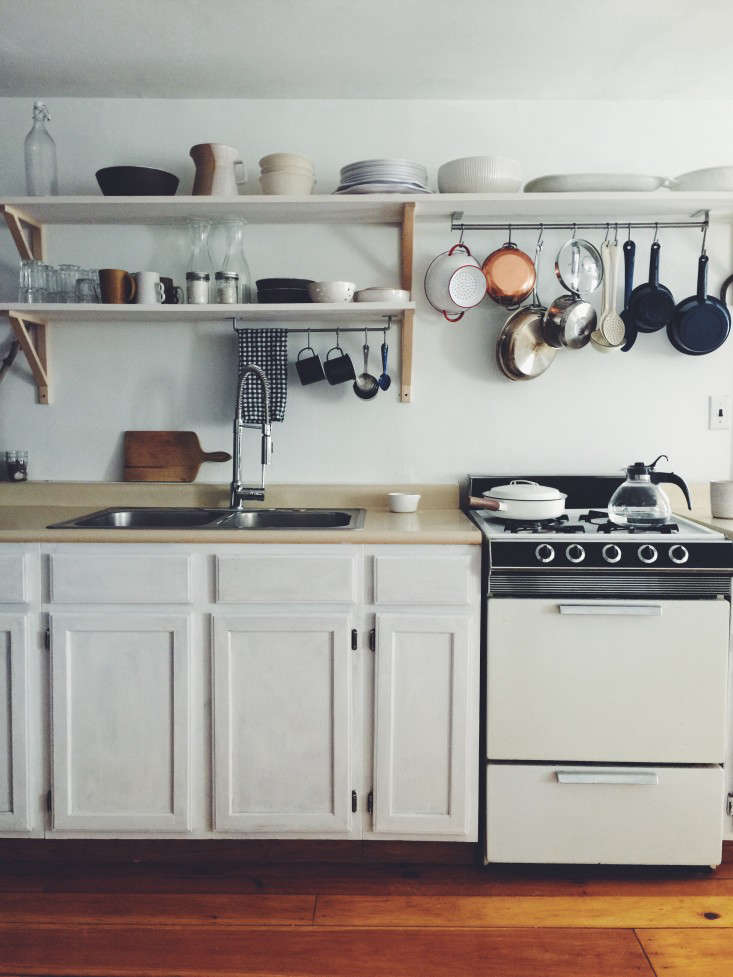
(626, 610)
(647, 778)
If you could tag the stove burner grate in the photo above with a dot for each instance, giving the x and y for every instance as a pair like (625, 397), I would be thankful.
(603, 524)
(558, 525)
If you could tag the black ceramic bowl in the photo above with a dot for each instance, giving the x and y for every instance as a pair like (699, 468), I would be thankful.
(300, 283)
(282, 295)
(136, 181)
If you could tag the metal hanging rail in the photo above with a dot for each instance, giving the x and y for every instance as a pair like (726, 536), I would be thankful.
(458, 224)
(337, 329)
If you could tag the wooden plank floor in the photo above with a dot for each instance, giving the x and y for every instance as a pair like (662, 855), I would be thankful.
(227, 918)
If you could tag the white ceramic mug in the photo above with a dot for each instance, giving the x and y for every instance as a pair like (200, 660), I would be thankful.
(149, 289)
(721, 500)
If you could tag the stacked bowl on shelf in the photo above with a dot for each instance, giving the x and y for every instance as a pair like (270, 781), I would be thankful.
(383, 176)
(286, 173)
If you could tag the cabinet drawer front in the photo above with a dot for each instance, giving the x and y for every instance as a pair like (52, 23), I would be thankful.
(411, 580)
(297, 579)
(118, 579)
(632, 815)
(613, 686)
(13, 588)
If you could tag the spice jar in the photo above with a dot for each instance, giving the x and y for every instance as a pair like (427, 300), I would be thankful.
(16, 463)
(197, 288)
(227, 287)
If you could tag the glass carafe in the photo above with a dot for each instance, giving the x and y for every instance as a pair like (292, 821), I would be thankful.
(199, 269)
(40, 156)
(638, 501)
(234, 264)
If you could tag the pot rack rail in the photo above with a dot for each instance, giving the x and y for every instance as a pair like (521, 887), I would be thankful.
(458, 224)
(332, 329)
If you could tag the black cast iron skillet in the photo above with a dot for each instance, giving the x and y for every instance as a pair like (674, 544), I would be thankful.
(651, 305)
(701, 323)
(631, 331)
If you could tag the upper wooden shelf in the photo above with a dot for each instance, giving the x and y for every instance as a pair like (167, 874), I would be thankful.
(347, 313)
(370, 208)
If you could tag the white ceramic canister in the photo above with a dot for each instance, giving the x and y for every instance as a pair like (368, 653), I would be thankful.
(721, 500)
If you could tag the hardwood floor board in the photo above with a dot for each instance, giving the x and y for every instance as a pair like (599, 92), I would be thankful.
(142, 909)
(689, 953)
(578, 911)
(305, 952)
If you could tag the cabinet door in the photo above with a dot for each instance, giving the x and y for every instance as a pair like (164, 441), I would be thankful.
(425, 727)
(282, 725)
(121, 714)
(14, 806)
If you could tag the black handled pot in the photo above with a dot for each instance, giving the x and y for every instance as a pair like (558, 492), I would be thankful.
(651, 305)
(701, 323)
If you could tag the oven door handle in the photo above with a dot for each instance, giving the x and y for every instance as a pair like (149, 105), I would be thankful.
(643, 778)
(625, 610)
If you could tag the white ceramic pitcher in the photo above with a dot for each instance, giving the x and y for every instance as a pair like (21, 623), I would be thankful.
(216, 169)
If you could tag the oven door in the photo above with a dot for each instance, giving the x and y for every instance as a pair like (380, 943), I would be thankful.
(607, 680)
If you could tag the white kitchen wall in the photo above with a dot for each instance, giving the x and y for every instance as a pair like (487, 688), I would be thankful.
(589, 413)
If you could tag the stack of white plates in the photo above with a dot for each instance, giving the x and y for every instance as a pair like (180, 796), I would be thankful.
(383, 176)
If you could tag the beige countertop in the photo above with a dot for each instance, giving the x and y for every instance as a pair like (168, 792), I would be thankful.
(27, 510)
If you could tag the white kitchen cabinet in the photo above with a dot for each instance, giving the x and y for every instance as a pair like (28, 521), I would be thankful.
(120, 722)
(14, 731)
(426, 726)
(283, 725)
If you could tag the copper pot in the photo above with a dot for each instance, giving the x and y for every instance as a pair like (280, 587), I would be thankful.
(510, 275)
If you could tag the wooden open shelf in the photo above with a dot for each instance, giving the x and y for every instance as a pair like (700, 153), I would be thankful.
(348, 313)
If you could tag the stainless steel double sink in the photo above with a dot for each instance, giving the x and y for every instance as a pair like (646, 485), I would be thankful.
(216, 519)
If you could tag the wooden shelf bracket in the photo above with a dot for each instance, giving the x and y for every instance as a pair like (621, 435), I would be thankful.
(407, 243)
(31, 246)
(35, 349)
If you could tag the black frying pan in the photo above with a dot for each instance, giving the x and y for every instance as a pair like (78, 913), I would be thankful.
(631, 331)
(701, 323)
(651, 305)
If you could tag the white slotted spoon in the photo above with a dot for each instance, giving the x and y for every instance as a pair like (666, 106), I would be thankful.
(598, 340)
(612, 325)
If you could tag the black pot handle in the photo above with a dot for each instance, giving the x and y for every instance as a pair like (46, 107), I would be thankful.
(724, 288)
(629, 254)
(654, 264)
(672, 479)
(702, 278)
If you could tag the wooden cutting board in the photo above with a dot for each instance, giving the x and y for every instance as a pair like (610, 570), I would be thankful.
(165, 456)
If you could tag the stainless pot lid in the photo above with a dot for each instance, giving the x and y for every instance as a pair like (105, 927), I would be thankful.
(522, 490)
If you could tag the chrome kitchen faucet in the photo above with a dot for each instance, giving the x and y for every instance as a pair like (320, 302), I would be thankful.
(240, 492)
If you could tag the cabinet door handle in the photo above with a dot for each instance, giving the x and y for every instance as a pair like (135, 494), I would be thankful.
(646, 778)
(625, 610)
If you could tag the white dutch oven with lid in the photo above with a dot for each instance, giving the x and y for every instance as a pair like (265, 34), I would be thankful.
(524, 500)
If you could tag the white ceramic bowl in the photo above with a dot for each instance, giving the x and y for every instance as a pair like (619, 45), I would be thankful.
(278, 161)
(402, 502)
(480, 174)
(382, 295)
(288, 184)
(331, 291)
(712, 178)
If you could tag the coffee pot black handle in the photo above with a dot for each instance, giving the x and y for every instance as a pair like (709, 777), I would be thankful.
(659, 477)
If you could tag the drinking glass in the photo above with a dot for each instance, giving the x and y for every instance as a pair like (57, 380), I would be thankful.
(68, 275)
(32, 282)
(86, 290)
(52, 283)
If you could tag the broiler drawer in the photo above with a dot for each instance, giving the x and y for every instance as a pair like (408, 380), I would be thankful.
(609, 681)
(584, 814)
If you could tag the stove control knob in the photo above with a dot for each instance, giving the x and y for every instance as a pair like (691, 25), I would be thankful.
(647, 553)
(611, 553)
(575, 553)
(678, 554)
(545, 553)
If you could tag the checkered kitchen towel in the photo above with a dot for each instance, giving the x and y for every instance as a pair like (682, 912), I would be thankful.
(268, 349)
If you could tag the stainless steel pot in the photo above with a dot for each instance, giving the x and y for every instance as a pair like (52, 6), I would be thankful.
(568, 322)
(522, 500)
(521, 351)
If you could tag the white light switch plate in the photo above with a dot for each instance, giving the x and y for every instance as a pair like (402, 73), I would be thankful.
(719, 416)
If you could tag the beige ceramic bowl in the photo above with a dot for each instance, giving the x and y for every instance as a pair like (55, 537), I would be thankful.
(288, 184)
(331, 291)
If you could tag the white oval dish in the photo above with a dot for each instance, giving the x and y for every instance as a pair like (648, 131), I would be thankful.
(382, 295)
(596, 183)
(712, 178)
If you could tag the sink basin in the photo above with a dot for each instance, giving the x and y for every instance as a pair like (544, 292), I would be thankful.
(224, 519)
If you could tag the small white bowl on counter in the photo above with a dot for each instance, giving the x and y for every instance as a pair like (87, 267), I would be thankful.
(331, 291)
(402, 502)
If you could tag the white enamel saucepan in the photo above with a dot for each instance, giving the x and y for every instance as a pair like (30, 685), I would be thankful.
(522, 500)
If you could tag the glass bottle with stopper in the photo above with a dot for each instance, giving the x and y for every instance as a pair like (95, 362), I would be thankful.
(234, 279)
(41, 175)
(198, 273)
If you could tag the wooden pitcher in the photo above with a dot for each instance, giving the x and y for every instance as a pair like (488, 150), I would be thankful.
(216, 169)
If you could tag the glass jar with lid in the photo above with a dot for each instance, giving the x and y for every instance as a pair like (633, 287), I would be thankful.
(234, 269)
(199, 270)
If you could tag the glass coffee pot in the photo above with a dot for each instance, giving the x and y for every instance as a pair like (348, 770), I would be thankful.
(639, 501)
